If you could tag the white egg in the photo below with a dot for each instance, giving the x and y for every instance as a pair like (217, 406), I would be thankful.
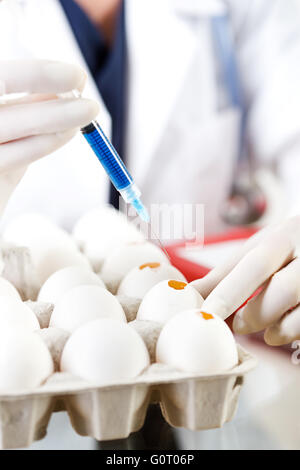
(51, 248)
(65, 279)
(83, 304)
(15, 314)
(7, 289)
(22, 228)
(92, 220)
(124, 258)
(166, 299)
(95, 220)
(142, 278)
(57, 254)
(100, 230)
(105, 351)
(194, 341)
(25, 361)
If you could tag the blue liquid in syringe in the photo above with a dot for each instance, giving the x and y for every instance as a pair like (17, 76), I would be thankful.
(114, 167)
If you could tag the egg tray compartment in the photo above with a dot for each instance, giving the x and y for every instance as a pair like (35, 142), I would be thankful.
(111, 412)
(17, 267)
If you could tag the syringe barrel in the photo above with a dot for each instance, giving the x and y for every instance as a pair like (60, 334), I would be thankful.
(107, 155)
(114, 167)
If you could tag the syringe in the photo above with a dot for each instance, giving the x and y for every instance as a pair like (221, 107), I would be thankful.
(114, 167)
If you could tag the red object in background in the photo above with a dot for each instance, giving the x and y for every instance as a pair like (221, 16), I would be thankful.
(193, 270)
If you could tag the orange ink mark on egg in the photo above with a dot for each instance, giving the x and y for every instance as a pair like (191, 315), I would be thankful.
(150, 265)
(178, 285)
(207, 316)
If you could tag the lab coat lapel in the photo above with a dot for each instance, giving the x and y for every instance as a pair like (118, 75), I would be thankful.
(160, 49)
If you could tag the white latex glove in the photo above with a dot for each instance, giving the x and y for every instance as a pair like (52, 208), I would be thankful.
(40, 123)
(270, 261)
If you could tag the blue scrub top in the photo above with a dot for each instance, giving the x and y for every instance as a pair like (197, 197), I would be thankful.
(108, 68)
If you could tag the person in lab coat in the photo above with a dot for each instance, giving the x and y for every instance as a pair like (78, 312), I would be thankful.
(156, 70)
(159, 82)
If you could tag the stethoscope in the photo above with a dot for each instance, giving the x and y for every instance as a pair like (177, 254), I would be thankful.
(246, 202)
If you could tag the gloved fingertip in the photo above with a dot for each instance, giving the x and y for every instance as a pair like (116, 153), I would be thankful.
(197, 284)
(239, 325)
(270, 338)
(273, 336)
(82, 78)
(89, 111)
(215, 306)
(63, 77)
(202, 286)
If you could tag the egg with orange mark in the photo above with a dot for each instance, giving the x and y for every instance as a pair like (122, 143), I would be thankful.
(121, 260)
(196, 341)
(142, 278)
(166, 299)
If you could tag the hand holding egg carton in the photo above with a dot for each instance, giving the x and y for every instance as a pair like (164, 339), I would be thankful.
(104, 355)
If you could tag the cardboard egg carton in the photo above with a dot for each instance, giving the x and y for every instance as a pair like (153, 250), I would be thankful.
(114, 411)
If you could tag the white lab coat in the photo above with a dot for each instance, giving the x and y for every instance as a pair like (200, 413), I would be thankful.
(180, 146)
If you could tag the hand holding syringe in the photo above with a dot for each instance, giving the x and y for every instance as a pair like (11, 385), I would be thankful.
(33, 123)
(95, 137)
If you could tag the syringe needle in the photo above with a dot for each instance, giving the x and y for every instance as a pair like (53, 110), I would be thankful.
(160, 243)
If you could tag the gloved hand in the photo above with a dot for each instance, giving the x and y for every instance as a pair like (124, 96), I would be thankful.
(40, 123)
(270, 262)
